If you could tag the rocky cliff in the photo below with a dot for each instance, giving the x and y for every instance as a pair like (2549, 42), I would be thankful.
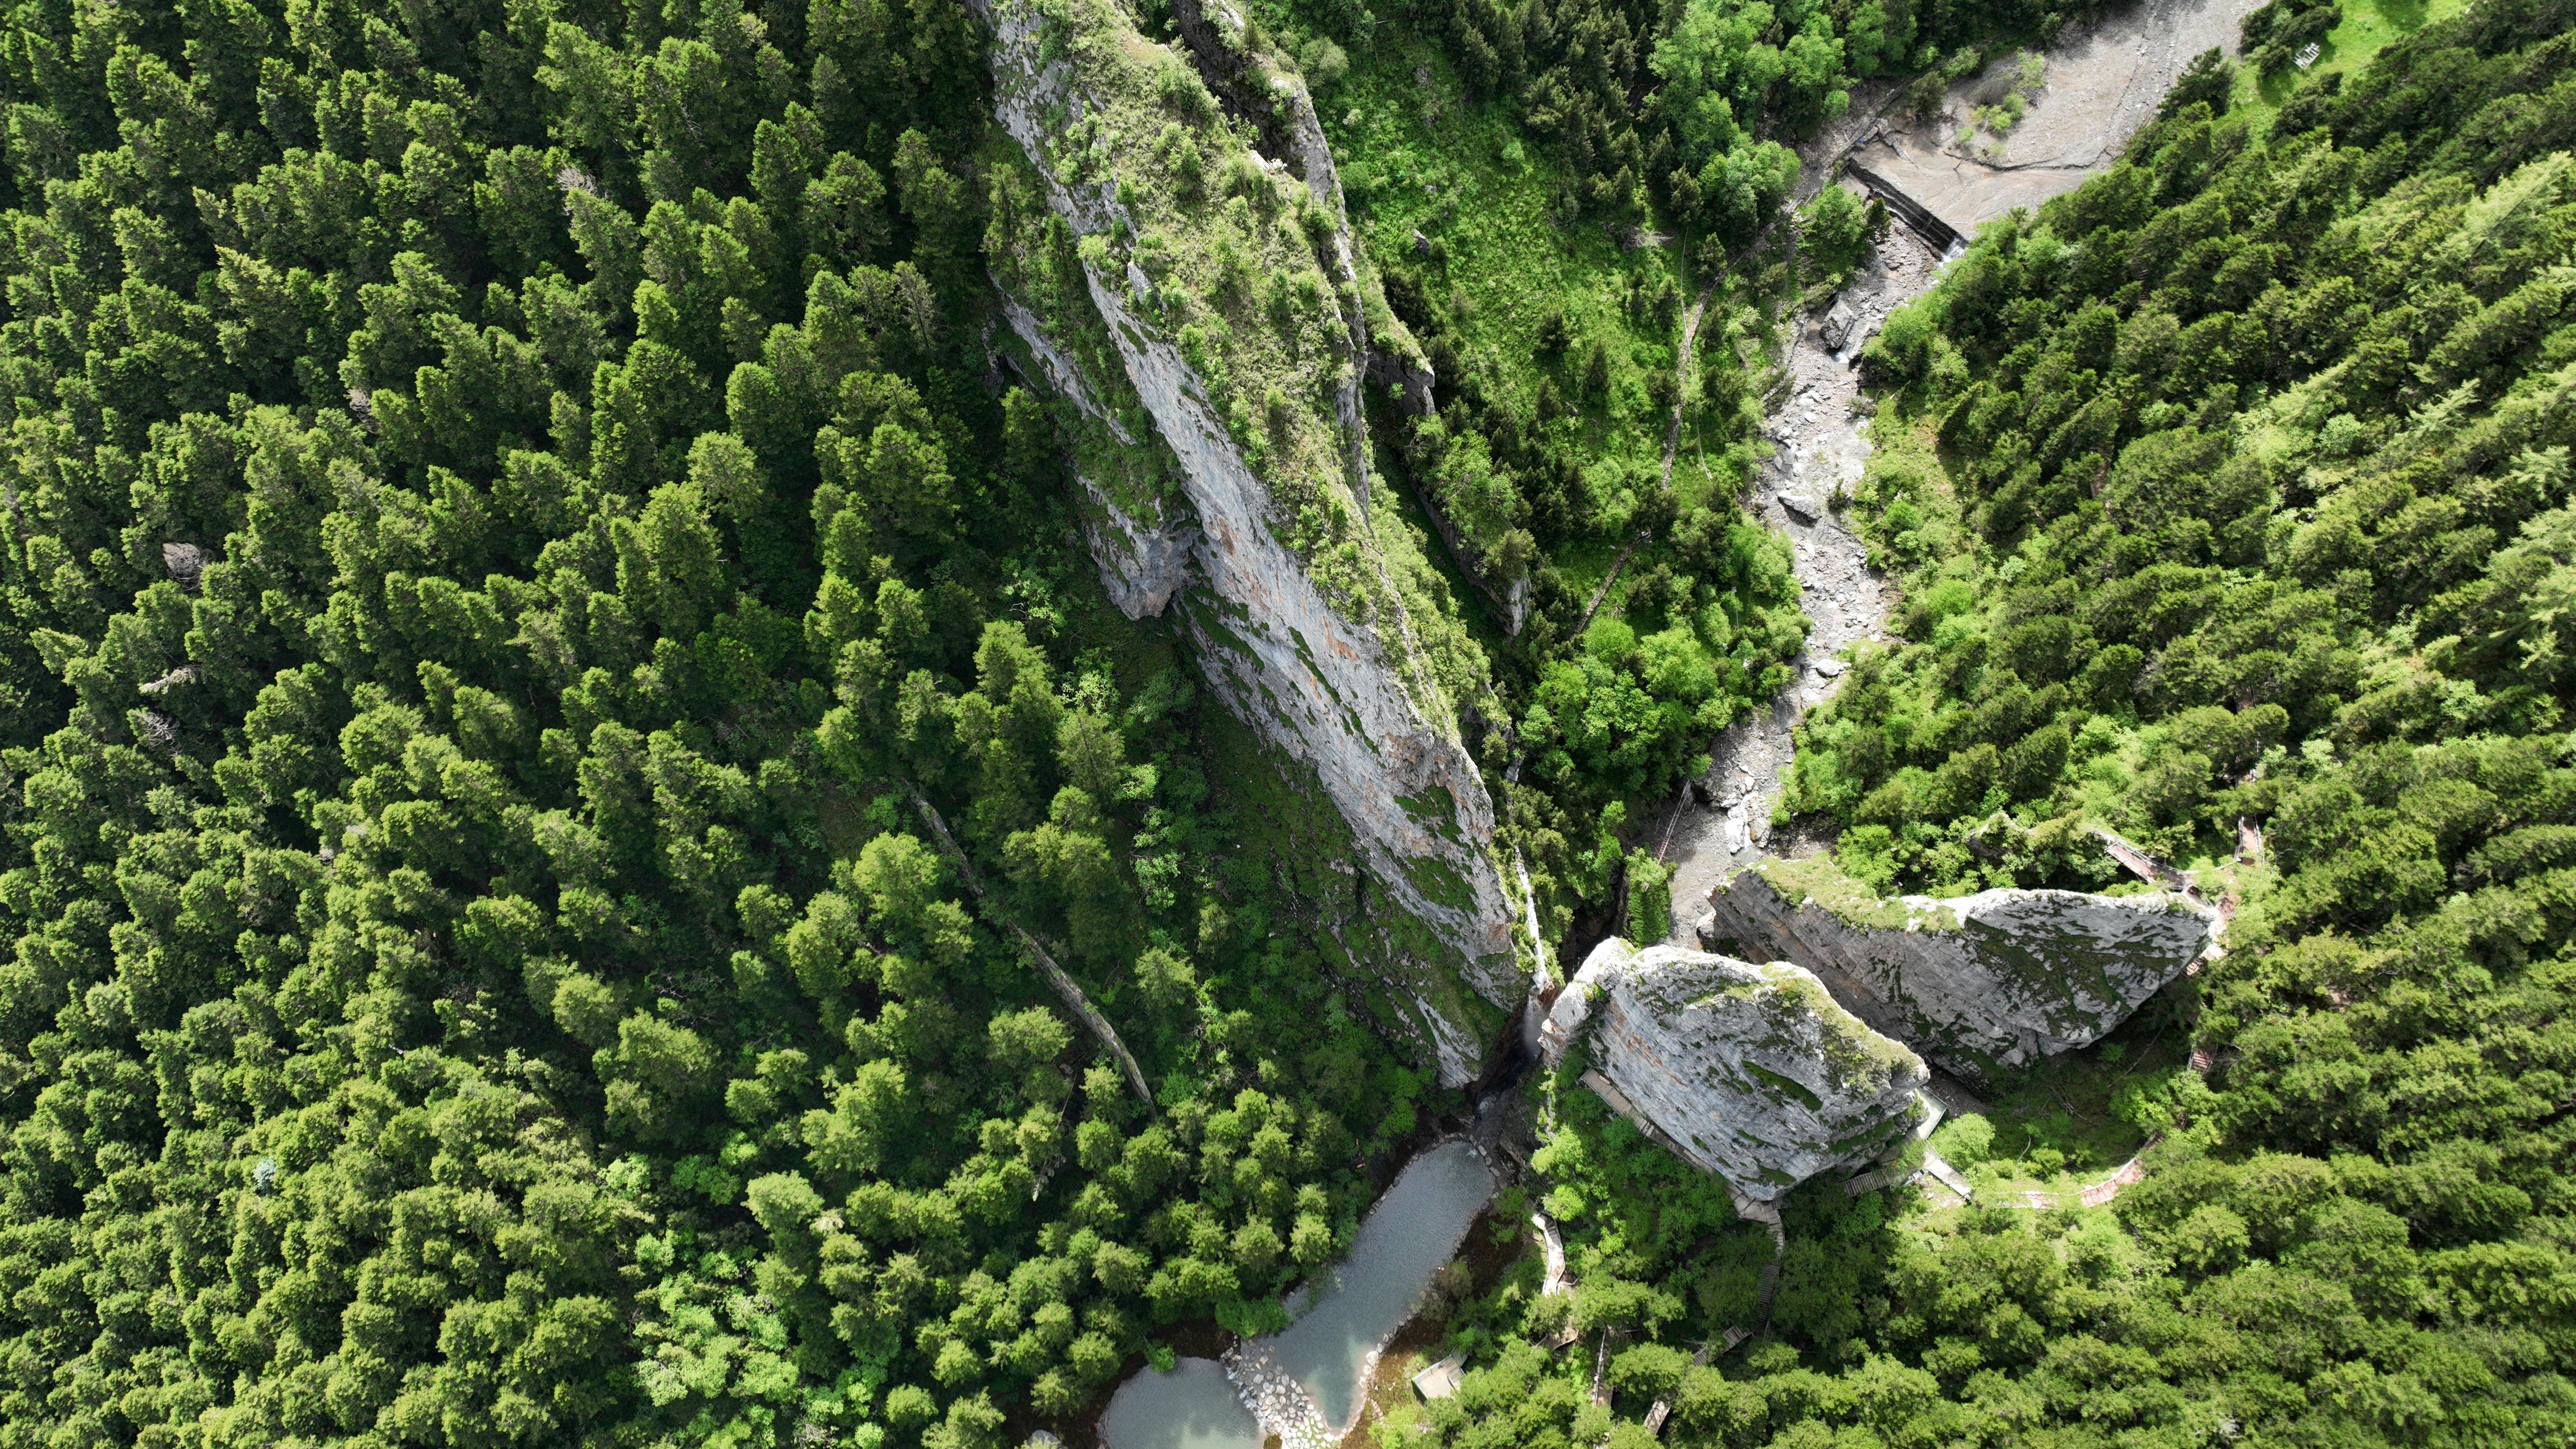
(1140, 534)
(1977, 983)
(1219, 302)
(1751, 1072)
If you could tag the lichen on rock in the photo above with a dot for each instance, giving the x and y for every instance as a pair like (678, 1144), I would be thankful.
(1978, 983)
(1752, 1072)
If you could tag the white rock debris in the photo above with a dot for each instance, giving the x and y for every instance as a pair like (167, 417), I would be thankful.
(1278, 1402)
(1723, 819)
(2105, 78)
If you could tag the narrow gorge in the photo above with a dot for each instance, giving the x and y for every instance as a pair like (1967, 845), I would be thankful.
(1166, 183)
(1159, 724)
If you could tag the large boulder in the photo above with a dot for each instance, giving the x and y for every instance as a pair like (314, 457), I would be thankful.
(1977, 983)
(1751, 1072)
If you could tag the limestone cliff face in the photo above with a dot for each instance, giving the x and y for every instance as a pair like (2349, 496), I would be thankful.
(1977, 983)
(1291, 129)
(1751, 1072)
(1280, 105)
(1234, 328)
(1144, 560)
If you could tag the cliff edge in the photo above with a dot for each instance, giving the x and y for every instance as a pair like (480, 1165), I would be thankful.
(1977, 983)
(1202, 289)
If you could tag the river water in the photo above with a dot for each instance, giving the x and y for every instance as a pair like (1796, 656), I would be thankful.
(1311, 1376)
(1192, 1407)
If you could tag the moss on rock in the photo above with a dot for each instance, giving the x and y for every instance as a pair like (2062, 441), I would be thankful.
(1752, 1072)
(1978, 983)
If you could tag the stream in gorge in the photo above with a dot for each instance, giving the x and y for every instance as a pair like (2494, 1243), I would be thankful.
(1308, 1379)
(1305, 1383)
(2104, 81)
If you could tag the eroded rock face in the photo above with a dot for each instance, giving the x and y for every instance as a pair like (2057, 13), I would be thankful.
(1338, 681)
(1143, 561)
(1141, 566)
(1977, 983)
(1752, 1072)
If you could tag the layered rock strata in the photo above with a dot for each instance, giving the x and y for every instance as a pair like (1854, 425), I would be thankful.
(1752, 1072)
(1977, 983)
(1299, 626)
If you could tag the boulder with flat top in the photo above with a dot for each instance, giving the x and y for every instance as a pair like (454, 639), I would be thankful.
(1749, 1071)
(1978, 983)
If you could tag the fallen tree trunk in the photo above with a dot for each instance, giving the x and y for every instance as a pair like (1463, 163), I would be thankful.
(1067, 989)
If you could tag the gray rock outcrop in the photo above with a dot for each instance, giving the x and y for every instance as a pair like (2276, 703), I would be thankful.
(186, 562)
(1976, 983)
(1337, 679)
(1141, 565)
(1752, 1072)
(1283, 110)
(1143, 561)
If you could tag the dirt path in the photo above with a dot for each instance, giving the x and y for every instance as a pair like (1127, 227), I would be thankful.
(1682, 372)
(2103, 82)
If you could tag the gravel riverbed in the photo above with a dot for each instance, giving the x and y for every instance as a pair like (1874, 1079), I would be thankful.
(2104, 80)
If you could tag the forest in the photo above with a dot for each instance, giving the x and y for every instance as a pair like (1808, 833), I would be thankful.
(512, 549)
(2230, 497)
(586, 859)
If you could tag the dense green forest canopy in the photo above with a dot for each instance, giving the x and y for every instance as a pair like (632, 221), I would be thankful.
(555, 717)
(510, 540)
(2231, 498)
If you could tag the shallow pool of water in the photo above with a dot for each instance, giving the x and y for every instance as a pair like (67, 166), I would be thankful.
(1340, 1320)
(1350, 1312)
(1192, 1407)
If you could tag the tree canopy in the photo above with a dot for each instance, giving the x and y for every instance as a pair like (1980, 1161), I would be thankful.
(575, 822)
(505, 519)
